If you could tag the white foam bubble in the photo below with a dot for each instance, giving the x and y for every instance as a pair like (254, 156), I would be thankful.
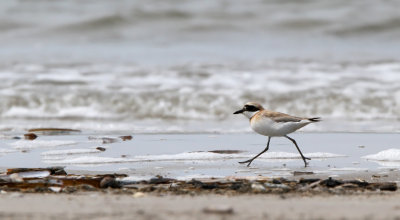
(392, 154)
(28, 144)
(197, 176)
(187, 156)
(87, 160)
(6, 151)
(213, 156)
(88, 112)
(348, 169)
(286, 155)
(387, 164)
(69, 152)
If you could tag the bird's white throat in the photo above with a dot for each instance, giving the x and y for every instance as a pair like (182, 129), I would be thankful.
(249, 115)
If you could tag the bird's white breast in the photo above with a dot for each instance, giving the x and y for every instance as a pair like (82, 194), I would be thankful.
(268, 127)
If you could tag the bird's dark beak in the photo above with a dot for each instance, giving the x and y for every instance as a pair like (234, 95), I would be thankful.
(239, 111)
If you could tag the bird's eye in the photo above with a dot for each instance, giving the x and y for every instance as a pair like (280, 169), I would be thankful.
(250, 108)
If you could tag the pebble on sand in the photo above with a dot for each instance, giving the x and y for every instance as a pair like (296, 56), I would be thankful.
(109, 181)
(220, 209)
(126, 137)
(100, 148)
(30, 136)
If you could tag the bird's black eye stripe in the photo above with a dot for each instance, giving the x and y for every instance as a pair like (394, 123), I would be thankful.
(251, 108)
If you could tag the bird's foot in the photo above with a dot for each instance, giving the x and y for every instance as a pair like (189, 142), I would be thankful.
(247, 161)
(305, 161)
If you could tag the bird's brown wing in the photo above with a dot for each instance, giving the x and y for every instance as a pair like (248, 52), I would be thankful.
(280, 117)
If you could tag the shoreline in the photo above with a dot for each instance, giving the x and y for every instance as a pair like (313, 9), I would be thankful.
(83, 196)
(57, 180)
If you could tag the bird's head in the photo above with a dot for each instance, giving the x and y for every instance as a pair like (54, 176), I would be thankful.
(249, 109)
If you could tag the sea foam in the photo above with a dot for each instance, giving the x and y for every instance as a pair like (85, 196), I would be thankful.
(69, 152)
(392, 154)
(198, 93)
(28, 144)
(187, 156)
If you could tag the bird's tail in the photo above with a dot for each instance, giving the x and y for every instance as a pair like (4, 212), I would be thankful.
(317, 119)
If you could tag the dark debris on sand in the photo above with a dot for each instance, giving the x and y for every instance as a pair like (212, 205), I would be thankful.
(56, 180)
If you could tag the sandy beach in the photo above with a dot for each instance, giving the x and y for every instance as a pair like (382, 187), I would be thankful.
(112, 206)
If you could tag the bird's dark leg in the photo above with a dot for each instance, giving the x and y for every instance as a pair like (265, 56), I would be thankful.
(251, 160)
(302, 156)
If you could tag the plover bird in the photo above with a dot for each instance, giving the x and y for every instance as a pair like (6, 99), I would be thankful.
(273, 124)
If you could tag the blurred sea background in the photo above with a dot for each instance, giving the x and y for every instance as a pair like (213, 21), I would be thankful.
(175, 66)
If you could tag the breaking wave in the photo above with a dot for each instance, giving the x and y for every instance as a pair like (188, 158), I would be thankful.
(124, 93)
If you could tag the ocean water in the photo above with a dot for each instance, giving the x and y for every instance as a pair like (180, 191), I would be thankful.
(185, 66)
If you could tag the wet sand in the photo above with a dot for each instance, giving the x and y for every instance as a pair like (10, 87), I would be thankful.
(187, 156)
(112, 206)
(146, 156)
